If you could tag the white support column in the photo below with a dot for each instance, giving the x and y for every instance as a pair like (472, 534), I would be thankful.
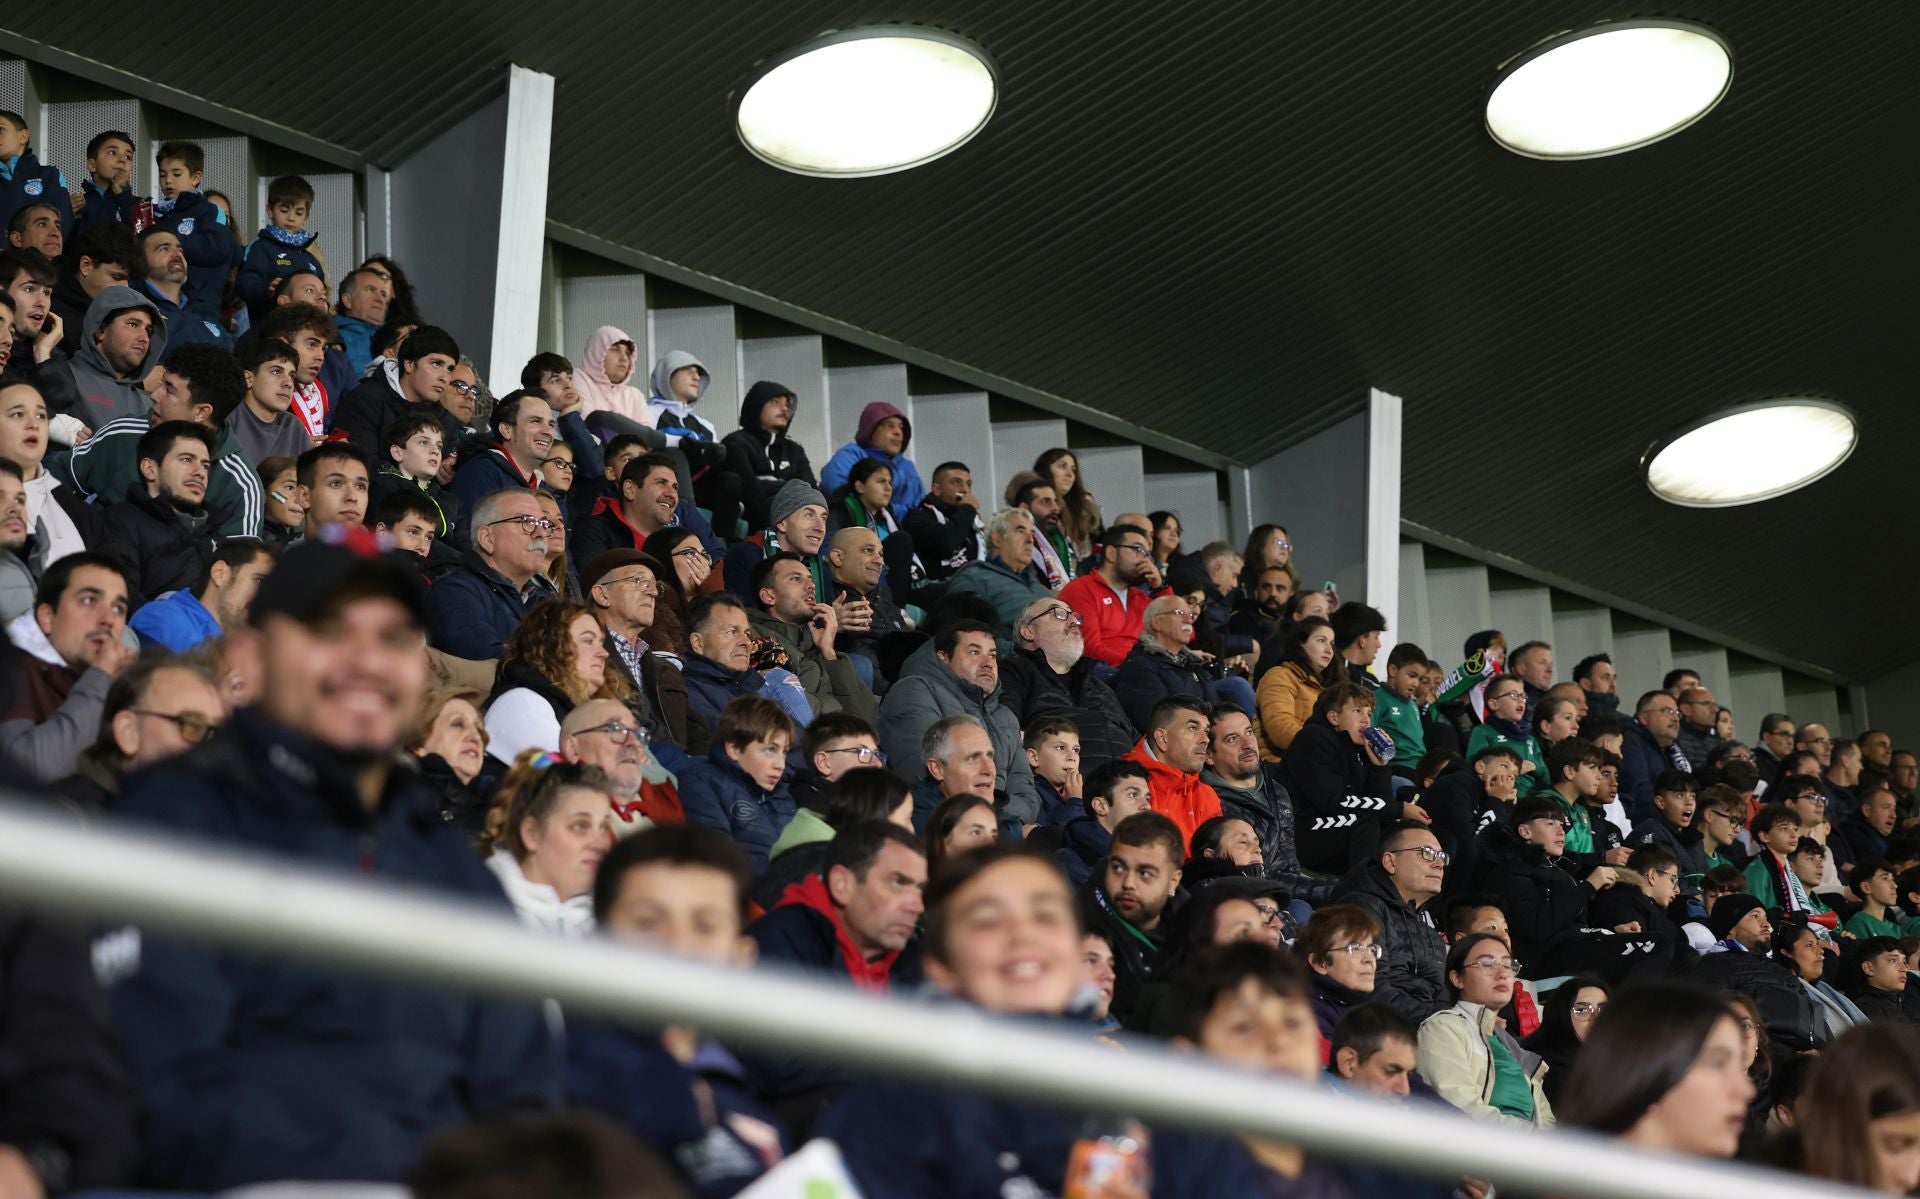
(523, 217)
(1383, 516)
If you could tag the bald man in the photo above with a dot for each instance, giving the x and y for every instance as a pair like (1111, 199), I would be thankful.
(605, 733)
(857, 567)
(1163, 662)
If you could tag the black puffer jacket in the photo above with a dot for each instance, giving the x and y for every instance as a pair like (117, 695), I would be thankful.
(1150, 673)
(764, 460)
(1784, 1004)
(1412, 978)
(164, 550)
(1269, 809)
(1544, 903)
(1030, 687)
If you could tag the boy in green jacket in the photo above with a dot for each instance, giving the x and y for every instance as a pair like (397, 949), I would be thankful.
(1396, 713)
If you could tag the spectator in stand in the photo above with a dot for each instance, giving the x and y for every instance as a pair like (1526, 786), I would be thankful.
(1161, 664)
(205, 233)
(19, 564)
(856, 566)
(799, 527)
(1397, 887)
(789, 614)
(1776, 833)
(163, 529)
(476, 606)
(33, 334)
(1814, 739)
(857, 916)
(1166, 529)
(647, 502)
(1574, 768)
(625, 590)
(72, 648)
(59, 518)
(1696, 737)
(610, 402)
(1566, 1020)
(23, 177)
(1053, 553)
(106, 190)
(1079, 514)
(1357, 631)
(284, 247)
(411, 454)
(1174, 751)
(1374, 1051)
(1842, 775)
(1532, 663)
(449, 747)
(679, 381)
(859, 795)
(334, 483)
(1651, 748)
(1777, 734)
(831, 745)
(739, 788)
(286, 505)
(104, 256)
(1876, 979)
(1639, 901)
(640, 790)
(1858, 1108)
(719, 665)
(1112, 793)
(1472, 1060)
(958, 674)
(546, 833)
(1006, 577)
(1287, 693)
(1905, 779)
(883, 433)
(215, 605)
(163, 282)
(1396, 710)
(959, 760)
(523, 428)
(1340, 946)
(1342, 790)
(1260, 606)
(159, 708)
(1049, 675)
(554, 660)
(760, 452)
(222, 1046)
(946, 527)
(1113, 598)
(551, 377)
(320, 376)
(122, 340)
(1052, 747)
(416, 382)
(263, 422)
(1865, 830)
(37, 227)
(1677, 826)
(1129, 898)
(1505, 724)
(863, 503)
(1678, 680)
(365, 297)
(1251, 790)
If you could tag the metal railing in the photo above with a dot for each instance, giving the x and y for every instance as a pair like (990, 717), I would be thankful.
(253, 902)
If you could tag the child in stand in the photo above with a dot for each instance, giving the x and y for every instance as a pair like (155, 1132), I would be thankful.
(264, 423)
(411, 460)
(1396, 711)
(283, 248)
(1052, 746)
(200, 224)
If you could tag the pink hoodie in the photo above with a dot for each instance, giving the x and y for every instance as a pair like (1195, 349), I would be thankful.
(597, 392)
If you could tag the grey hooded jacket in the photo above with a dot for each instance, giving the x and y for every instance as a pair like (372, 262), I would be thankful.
(672, 416)
(106, 396)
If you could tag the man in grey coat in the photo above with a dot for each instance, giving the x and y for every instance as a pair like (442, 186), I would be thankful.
(121, 341)
(958, 674)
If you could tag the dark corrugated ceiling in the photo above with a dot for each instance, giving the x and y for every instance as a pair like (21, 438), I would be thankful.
(1226, 221)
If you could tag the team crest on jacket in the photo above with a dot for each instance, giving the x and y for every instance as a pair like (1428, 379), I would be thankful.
(34, 186)
(212, 328)
(186, 227)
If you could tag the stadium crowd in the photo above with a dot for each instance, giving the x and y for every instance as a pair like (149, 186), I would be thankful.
(281, 572)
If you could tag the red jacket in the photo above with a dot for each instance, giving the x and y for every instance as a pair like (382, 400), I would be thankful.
(1180, 797)
(1113, 622)
(811, 893)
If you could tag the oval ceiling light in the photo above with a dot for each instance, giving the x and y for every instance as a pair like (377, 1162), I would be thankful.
(867, 101)
(1608, 89)
(1750, 453)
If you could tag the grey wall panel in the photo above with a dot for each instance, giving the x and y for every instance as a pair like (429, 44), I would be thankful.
(71, 124)
(1416, 613)
(1757, 689)
(1318, 490)
(794, 362)
(1116, 477)
(1523, 611)
(852, 388)
(451, 251)
(1459, 605)
(1578, 630)
(951, 427)
(1193, 496)
(1642, 654)
(707, 334)
(1016, 444)
(1811, 701)
(13, 89)
(590, 301)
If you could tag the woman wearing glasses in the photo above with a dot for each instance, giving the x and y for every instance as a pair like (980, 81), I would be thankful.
(1341, 945)
(1465, 1052)
(1565, 1020)
(554, 661)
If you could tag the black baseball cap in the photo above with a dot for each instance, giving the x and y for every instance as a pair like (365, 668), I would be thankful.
(313, 579)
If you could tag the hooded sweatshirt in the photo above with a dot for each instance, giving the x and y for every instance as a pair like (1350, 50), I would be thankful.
(763, 460)
(106, 396)
(672, 416)
(908, 491)
(601, 394)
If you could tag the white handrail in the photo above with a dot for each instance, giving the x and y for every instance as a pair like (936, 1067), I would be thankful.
(260, 903)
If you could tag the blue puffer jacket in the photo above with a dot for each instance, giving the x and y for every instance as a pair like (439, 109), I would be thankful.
(473, 609)
(274, 254)
(711, 687)
(718, 794)
(257, 1068)
(207, 240)
(26, 180)
(1642, 762)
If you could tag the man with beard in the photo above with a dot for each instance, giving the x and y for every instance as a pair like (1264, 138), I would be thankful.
(166, 285)
(1053, 552)
(474, 608)
(649, 496)
(121, 341)
(789, 613)
(1113, 599)
(71, 651)
(1258, 615)
(19, 576)
(192, 616)
(224, 1047)
(164, 529)
(1161, 664)
(1251, 790)
(1595, 675)
(1128, 899)
(959, 675)
(857, 565)
(1049, 674)
(34, 332)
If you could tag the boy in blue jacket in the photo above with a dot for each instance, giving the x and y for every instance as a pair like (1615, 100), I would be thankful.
(739, 789)
(24, 179)
(184, 210)
(284, 246)
(680, 890)
(106, 191)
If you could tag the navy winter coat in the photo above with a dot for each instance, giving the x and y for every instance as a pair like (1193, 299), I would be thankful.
(1642, 761)
(268, 258)
(207, 240)
(103, 208)
(26, 180)
(473, 609)
(718, 794)
(711, 687)
(255, 1068)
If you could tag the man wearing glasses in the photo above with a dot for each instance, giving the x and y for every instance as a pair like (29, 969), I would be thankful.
(157, 709)
(1111, 599)
(1649, 750)
(1697, 736)
(474, 608)
(1398, 888)
(623, 586)
(1049, 674)
(603, 733)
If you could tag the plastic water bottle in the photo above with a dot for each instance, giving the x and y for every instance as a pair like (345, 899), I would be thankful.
(1110, 1150)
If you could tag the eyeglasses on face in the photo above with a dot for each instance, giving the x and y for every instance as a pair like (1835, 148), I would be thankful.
(643, 583)
(1588, 1009)
(194, 728)
(1669, 710)
(1269, 911)
(559, 463)
(1427, 853)
(1062, 613)
(1281, 543)
(691, 552)
(465, 388)
(617, 732)
(528, 524)
(1495, 965)
(863, 754)
(1358, 949)
(1494, 699)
